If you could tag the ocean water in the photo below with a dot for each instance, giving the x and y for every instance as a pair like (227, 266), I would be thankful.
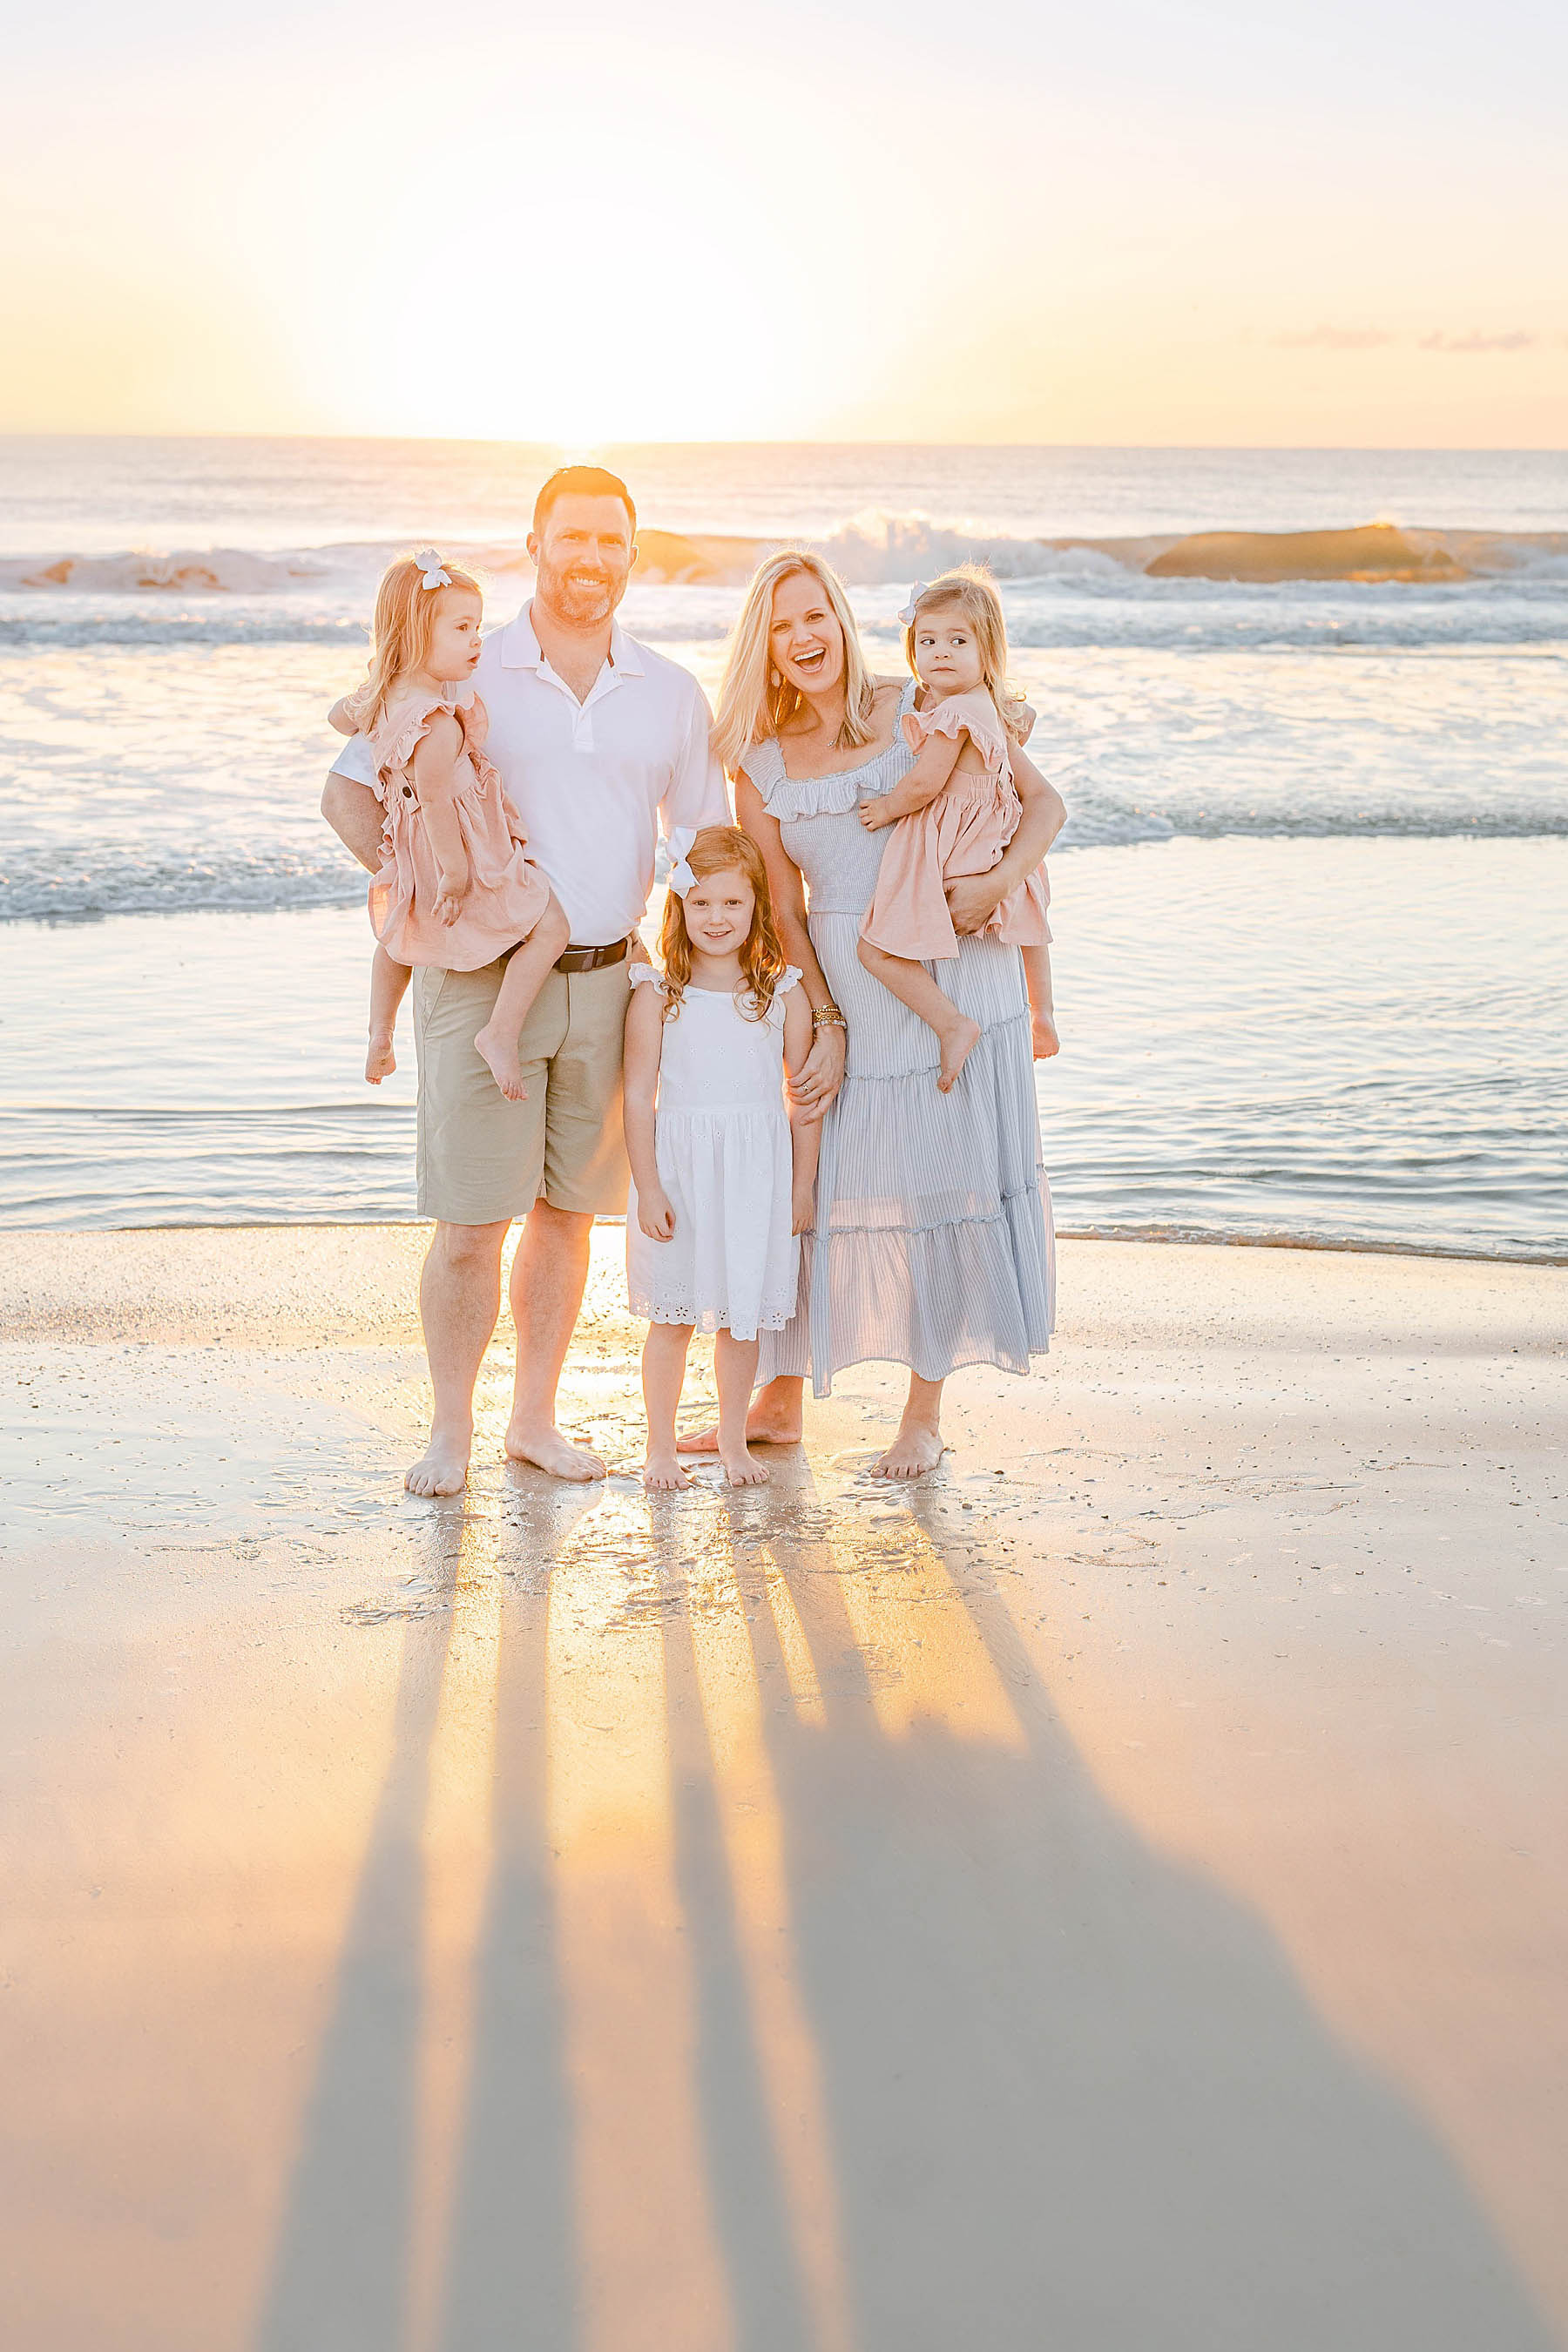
(1312, 963)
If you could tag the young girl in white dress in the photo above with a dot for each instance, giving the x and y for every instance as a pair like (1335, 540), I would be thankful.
(457, 887)
(721, 1176)
(956, 812)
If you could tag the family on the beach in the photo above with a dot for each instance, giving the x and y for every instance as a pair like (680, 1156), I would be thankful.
(827, 1152)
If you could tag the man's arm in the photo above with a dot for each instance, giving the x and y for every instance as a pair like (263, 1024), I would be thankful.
(697, 793)
(350, 806)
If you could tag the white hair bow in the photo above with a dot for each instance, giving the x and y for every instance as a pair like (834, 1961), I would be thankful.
(916, 593)
(681, 877)
(430, 564)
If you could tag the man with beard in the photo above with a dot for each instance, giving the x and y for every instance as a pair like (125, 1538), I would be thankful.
(597, 739)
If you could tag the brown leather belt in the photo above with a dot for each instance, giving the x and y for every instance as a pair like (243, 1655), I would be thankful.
(591, 958)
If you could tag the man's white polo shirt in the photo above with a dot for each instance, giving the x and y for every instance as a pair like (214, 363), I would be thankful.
(592, 779)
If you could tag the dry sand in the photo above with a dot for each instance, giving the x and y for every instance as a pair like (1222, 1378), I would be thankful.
(1113, 1897)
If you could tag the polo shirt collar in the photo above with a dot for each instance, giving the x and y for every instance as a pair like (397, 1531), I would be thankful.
(520, 647)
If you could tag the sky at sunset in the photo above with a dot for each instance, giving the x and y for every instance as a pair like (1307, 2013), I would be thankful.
(1124, 223)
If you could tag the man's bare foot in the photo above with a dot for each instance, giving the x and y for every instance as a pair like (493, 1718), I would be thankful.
(500, 1055)
(380, 1061)
(957, 1043)
(549, 1451)
(743, 1469)
(1046, 1042)
(661, 1473)
(443, 1467)
(916, 1449)
(766, 1426)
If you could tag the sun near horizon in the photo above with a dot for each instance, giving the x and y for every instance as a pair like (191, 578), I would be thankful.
(1146, 227)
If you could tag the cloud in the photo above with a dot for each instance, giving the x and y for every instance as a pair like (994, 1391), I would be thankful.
(1337, 338)
(1516, 340)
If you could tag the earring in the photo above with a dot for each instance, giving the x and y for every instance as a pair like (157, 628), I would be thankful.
(774, 677)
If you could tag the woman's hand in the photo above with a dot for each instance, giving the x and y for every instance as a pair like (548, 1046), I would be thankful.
(656, 1216)
(812, 1086)
(974, 898)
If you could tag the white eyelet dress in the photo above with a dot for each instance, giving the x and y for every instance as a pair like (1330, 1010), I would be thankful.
(722, 1143)
(933, 1244)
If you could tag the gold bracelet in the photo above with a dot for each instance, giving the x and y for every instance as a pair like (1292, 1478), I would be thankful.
(828, 1016)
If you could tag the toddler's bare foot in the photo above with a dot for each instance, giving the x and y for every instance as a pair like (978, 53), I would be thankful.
(743, 1469)
(380, 1061)
(661, 1473)
(957, 1043)
(443, 1467)
(1047, 1041)
(500, 1054)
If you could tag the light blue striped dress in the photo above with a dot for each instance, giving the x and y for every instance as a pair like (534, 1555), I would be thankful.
(933, 1244)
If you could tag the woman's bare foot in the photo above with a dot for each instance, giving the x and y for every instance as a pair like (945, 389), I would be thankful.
(957, 1043)
(381, 1061)
(917, 1448)
(661, 1473)
(766, 1424)
(550, 1452)
(500, 1056)
(1046, 1042)
(443, 1467)
(743, 1469)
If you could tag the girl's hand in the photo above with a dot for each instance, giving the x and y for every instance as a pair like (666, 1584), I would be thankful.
(874, 814)
(656, 1216)
(451, 890)
(812, 1086)
(804, 1206)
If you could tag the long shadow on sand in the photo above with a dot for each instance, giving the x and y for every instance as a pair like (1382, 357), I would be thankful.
(1074, 2094)
(1077, 2096)
(340, 2279)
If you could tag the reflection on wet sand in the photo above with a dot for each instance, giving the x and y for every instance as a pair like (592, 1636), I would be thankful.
(817, 2000)
(753, 1922)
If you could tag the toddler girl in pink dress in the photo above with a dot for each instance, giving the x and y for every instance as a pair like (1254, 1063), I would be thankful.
(954, 814)
(456, 887)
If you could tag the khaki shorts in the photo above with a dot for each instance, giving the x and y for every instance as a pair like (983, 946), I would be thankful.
(482, 1159)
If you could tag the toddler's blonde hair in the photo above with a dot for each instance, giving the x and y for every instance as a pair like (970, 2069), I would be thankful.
(973, 592)
(400, 633)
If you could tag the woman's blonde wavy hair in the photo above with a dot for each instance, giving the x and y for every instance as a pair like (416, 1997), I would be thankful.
(974, 593)
(716, 848)
(750, 706)
(400, 633)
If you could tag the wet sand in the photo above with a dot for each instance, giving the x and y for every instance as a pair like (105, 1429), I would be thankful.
(1113, 1895)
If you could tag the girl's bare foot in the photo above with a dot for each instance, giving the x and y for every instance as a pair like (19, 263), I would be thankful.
(1046, 1042)
(380, 1061)
(957, 1043)
(916, 1449)
(500, 1056)
(743, 1469)
(661, 1473)
(443, 1467)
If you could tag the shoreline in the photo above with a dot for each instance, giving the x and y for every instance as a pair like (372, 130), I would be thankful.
(1153, 1236)
(1122, 1874)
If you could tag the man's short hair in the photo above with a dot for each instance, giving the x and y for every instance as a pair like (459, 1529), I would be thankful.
(582, 482)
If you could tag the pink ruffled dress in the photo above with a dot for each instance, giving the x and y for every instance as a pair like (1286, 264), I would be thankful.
(507, 891)
(965, 830)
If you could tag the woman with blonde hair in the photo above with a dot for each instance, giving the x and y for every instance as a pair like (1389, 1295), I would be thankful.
(931, 1245)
